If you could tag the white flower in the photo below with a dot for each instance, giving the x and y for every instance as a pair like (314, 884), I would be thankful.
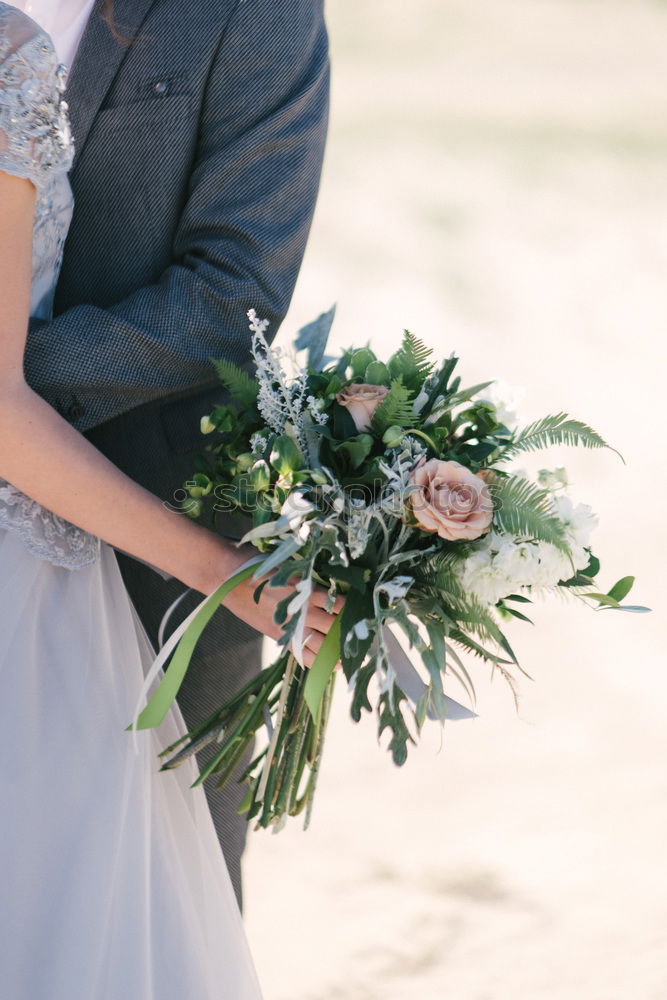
(257, 325)
(518, 562)
(555, 480)
(552, 565)
(479, 576)
(506, 400)
(579, 522)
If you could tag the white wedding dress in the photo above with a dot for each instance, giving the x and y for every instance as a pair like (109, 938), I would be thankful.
(113, 886)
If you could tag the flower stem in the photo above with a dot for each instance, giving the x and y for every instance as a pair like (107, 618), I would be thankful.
(413, 430)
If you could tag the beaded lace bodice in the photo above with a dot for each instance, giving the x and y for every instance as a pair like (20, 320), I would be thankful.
(35, 143)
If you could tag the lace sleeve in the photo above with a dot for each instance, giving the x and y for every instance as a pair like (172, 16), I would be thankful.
(34, 131)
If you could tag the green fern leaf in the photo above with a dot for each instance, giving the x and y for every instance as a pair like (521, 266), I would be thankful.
(240, 386)
(520, 508)
(395, 410)
(557, 429)
(411, 361)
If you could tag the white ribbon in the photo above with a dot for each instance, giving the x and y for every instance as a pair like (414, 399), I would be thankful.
(411, 683)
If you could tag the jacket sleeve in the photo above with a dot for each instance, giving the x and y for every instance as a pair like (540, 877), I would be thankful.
(240, 239)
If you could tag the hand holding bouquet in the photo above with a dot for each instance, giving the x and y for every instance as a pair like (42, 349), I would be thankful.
(390, 486)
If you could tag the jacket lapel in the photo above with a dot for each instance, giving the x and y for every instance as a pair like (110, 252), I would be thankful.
(97, 62)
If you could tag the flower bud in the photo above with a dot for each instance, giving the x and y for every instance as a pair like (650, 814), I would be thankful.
(285, 455)
(393, 437)
(244, 461)
(193, 508)
(260, 476)
(199, 486)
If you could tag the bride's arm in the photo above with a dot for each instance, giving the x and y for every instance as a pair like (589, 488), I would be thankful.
(49, 461)
(44, 457)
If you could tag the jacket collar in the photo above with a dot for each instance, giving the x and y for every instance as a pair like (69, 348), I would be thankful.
(97, 62)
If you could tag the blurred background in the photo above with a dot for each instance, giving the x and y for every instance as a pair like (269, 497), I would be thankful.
(497, 182)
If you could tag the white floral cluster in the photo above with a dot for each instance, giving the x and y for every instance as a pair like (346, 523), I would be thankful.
(506, 400)
(503, 564)
(280, 399)
(258, 443)
(315, 407)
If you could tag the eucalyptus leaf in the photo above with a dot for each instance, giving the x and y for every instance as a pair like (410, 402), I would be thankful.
(622, 588)
(313, 338)
(637, 609)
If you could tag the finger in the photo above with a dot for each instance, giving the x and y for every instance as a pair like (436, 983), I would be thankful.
(318, 620)
(314, 641)
(308, 658)
(320, 598)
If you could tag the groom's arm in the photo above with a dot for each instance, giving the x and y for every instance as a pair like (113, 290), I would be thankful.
(241, 236)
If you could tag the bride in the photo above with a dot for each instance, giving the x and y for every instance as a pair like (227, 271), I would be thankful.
(113, 884)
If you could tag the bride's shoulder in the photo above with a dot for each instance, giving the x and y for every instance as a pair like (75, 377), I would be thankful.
(22, 39)
(35, 139)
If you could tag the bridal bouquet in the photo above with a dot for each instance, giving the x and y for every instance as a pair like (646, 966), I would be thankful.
(390, 484)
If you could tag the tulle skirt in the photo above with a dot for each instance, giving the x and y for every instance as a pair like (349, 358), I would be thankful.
(113, 883)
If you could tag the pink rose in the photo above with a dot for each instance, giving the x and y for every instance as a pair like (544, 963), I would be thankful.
(450, 500)
(362, 401)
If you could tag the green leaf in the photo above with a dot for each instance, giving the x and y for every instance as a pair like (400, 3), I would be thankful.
(603, 599)
(240, 386)
(622, 588)
(377, 373)
(557, 429)
(357, 449)
(360, 361)
(343, 426)
(313, 338)
(360, 700)
(518, 614)
(285, 455)
(637, 609)
(391, 717)
(520, 508)
(395, 409)
(411, 362)
(585, 577)
(322, 669)
(161, 701)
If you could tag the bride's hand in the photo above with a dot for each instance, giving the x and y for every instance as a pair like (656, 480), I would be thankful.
(241, 602)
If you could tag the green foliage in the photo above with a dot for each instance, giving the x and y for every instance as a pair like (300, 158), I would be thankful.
(520, 508)
(557, 429)
(361, 360)
(377, 373)
(285, 455)
(356, 449)
(621, 589)
(395, 409)
(411, 361)
(584, 577)
(391, 718)
(240, 386)
(313, 338)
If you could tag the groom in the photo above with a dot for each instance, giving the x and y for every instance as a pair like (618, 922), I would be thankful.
(199, 128)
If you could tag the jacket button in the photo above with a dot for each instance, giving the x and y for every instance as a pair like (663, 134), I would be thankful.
(75, 411)
(161, 87)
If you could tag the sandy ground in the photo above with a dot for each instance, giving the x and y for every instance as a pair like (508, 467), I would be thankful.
(497, 181)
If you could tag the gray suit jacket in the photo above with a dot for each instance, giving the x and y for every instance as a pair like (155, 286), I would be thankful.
(199, 142)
